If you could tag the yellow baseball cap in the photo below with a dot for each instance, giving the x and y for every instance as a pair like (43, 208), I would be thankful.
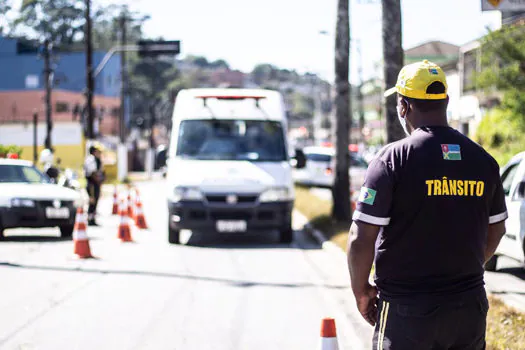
(415, 78)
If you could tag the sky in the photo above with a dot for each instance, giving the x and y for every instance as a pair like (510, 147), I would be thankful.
(286, 33)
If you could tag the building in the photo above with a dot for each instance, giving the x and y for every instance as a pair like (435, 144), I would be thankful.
(22, 93)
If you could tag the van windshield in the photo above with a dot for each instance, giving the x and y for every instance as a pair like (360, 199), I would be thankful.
(252, 140)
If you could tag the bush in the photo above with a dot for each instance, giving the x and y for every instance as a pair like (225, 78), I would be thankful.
(6, 149)
(502, 134)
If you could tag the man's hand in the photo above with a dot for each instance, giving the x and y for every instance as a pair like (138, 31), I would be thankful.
(367, 304)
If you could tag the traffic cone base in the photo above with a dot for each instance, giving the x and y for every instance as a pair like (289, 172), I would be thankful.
(81, 247)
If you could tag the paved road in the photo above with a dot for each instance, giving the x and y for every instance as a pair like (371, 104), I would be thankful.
(508, 282)
(246, 293)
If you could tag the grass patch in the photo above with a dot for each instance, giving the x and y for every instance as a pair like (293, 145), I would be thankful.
(505, 325)
(318, 211)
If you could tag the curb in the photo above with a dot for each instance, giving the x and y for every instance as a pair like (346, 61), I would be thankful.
(320, 237)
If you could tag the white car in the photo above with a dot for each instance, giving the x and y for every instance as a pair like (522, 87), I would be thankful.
(512, 244)
(29, 199)
(319, 170)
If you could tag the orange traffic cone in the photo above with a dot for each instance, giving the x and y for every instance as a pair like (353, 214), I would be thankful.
(328, 339)
(130, 205)
(124, 231)
(80, 239)
(115, 202)
(140, 220)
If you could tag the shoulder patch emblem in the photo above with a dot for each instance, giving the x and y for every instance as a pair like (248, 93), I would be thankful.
(367, 195)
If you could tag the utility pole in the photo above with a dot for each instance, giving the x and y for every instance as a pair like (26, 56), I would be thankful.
(341, 190)
(123, 83)
(35, 138)
(48, 87)
(360, 97)
(122, 150)
(90, 82)
(393, 62)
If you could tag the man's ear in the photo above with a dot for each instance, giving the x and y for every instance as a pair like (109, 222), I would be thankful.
(405, 107)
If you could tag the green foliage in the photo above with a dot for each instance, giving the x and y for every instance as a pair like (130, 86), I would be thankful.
(502, 130)
(6, 149)
(502, 134)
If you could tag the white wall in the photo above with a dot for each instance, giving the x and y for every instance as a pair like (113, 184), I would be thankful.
(22, 134)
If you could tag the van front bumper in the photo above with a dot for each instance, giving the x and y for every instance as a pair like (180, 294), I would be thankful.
(203, 216)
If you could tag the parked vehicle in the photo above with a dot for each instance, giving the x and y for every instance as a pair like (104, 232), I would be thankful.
(319, 169)
(29, 199)
(512, 244)
(228, 164)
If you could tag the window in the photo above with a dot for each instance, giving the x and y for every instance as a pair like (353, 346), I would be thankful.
(62, 107)
(248, 140)
(470, 67)
(16, 173)
(508, 177)
(316, 157)
(115, 112)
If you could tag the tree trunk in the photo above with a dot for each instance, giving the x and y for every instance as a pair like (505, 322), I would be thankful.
(393, 58)
(341, 189)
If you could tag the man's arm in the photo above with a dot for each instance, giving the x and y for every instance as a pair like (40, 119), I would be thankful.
(360, 254)
(495, 233)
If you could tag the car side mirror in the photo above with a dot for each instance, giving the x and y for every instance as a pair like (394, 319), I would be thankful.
(520, 191)
(299, 159)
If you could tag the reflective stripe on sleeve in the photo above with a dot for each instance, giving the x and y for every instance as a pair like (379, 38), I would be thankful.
(497, 218)
(369, 219)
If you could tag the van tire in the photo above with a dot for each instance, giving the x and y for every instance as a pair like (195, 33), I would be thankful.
(286, 235)
(173, 235)
(492, 263)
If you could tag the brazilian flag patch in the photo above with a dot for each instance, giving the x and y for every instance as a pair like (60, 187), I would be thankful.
(367, 195)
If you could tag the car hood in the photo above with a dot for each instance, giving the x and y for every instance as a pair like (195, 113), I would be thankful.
(224, 176)
(37, 191)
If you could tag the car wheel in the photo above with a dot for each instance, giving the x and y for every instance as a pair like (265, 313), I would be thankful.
(173, 235)
(492, 263)
(66, 231)
(286, 235)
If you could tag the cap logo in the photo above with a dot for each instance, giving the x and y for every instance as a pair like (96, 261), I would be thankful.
(433, 71)
(402, 83)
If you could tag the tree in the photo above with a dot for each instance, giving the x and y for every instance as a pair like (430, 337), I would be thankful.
(502, 131)
(393, 62)
(60, 21)
(341, 190)
(5, 7)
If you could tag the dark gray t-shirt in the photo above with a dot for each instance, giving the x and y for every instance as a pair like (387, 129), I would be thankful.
(434, 193)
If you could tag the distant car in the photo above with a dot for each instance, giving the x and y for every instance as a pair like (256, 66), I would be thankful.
(513, 242)
(29, 199)
(319, 170)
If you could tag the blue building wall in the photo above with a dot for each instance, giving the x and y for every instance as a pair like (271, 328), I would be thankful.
(25, 71)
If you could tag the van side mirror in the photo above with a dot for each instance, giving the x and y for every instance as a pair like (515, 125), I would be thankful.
(300, 159)
(520, 191)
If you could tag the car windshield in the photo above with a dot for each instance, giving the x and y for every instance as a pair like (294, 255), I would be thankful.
(21, 173)
(258, 141)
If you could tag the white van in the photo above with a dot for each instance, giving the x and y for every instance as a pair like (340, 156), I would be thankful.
(228, 168)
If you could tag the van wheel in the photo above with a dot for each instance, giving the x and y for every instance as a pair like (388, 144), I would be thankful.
(173, 235)
(492, 263)
(286, 235)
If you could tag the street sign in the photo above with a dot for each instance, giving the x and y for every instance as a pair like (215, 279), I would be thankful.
(503, 5)
(152, 48)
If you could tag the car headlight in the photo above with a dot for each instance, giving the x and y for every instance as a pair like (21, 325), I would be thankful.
(20, 202)
(277, 194)
(186, 194)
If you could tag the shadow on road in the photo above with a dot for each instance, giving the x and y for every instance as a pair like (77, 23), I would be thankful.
(226, 281)
(250, 241)
(36, 239)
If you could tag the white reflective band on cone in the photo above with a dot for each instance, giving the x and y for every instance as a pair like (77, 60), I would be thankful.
(80, 235)
(329, 344)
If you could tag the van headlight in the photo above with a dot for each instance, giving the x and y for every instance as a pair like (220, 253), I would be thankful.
(20, 202)
(186, 194)
(276, 194)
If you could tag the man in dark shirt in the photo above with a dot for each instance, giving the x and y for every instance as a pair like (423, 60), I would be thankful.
(431, 212)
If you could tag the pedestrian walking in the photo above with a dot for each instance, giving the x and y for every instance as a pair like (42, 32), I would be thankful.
(430, 214)
(94, 173)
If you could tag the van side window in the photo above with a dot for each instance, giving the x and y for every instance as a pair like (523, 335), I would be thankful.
(508, 177)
